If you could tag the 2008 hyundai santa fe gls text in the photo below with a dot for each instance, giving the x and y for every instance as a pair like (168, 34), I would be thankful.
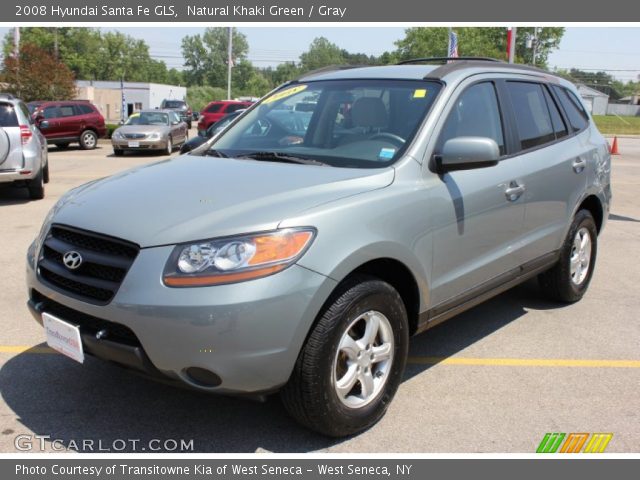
(346, 211)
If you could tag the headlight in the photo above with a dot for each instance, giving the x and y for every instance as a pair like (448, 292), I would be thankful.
(235, 259)
(117, 135)
(154, 136)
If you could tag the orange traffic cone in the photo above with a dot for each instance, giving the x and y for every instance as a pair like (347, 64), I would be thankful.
(614, 147)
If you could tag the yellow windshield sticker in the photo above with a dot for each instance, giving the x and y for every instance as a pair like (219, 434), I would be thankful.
(420, 93)
(284, 93)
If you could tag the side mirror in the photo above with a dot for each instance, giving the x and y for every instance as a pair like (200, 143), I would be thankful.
(43, 124)
(175, 123)
(464, 153)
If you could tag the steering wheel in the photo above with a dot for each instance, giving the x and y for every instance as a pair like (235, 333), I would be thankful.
(389, 136)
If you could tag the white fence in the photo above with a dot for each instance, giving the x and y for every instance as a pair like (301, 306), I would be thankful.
(623, 110)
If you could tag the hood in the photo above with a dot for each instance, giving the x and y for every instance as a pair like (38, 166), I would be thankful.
(146, 129)
(192, 198)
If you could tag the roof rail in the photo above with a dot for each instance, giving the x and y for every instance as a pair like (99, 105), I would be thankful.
(327, 69)
(447, 59)
(7, 96)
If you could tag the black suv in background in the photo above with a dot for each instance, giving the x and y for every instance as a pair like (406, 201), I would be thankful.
(181, 107)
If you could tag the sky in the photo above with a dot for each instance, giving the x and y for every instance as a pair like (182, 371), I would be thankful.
(613, 49)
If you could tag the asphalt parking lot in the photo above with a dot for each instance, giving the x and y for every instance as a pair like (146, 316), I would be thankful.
(494, 379)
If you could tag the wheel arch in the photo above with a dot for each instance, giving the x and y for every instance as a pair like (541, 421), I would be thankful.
(594, 206)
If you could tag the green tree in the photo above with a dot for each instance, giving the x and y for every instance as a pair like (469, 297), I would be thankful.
(478, 41)
(321, 53)
(37, 75)
(206, 55)
(93, 55)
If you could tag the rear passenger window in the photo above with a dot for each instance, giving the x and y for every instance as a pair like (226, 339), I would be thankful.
(475, 114)
(559, 126)
(578, 118)
(51, 112)
(67, 111)
(532, 115)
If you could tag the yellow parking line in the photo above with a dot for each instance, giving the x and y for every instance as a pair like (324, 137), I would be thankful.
(25, 348)
(423, 360)
(525, 362)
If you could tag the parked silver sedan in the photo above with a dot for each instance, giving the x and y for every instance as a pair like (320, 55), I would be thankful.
(152, 130)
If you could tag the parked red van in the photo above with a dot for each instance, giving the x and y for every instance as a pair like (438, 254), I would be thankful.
(69, 121)
(218, 109)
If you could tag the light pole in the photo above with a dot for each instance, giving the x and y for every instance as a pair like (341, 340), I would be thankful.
(229, 61)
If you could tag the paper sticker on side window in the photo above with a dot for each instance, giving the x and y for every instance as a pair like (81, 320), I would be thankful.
(420, 93)
(284, 94)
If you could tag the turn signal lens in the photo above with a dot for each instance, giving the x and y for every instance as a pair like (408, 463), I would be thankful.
(236, 259)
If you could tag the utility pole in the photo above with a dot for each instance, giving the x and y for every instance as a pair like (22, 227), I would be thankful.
(229, 62)
(534, 45)
(16, 42)
(512, 45)
(55, 43)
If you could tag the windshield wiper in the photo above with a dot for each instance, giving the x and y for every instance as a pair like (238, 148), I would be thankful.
(212, 152)
(281, 157)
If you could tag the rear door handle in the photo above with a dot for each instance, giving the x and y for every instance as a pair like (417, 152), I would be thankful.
(514, 191)
(579, 164)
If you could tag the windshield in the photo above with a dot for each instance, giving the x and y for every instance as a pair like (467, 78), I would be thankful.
(343, 123)
(148, 118)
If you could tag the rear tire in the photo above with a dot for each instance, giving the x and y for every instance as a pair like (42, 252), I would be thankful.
(36, 187)
(45, 173)
(62, 146)
(569, 279)
(345, 378)
(88, 140)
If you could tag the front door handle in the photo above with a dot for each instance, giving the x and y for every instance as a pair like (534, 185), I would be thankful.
(579, 164)
(514, 191)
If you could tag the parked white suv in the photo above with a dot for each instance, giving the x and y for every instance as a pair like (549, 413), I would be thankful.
(23, 149)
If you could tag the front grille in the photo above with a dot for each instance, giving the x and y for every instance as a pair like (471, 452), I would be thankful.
(105, 262)
(135, 136)
(89, 324)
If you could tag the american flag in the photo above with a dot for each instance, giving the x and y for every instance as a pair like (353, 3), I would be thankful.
(453, 44)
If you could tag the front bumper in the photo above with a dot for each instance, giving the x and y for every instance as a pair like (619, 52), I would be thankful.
(248, 334)
(141, 144)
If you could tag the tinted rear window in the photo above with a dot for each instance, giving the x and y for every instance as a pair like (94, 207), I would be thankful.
(173, 104)
(559, 126)
(214, 108)
(578, 118)
(532, 114)
(84, 109)
(8, 117)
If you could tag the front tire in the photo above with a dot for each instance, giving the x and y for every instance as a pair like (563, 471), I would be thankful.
(169, 149)
(352, 363)
(88, 140)
(569, 279)
(118, 152)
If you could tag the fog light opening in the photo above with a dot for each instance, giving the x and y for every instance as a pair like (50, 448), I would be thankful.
(203, 377)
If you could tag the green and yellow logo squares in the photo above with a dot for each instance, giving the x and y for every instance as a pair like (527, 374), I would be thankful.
(573, 443)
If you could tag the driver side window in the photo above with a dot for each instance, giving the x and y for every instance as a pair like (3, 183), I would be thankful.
(475, 114)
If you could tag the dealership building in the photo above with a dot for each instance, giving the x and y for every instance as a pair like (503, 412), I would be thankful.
(107, 96)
